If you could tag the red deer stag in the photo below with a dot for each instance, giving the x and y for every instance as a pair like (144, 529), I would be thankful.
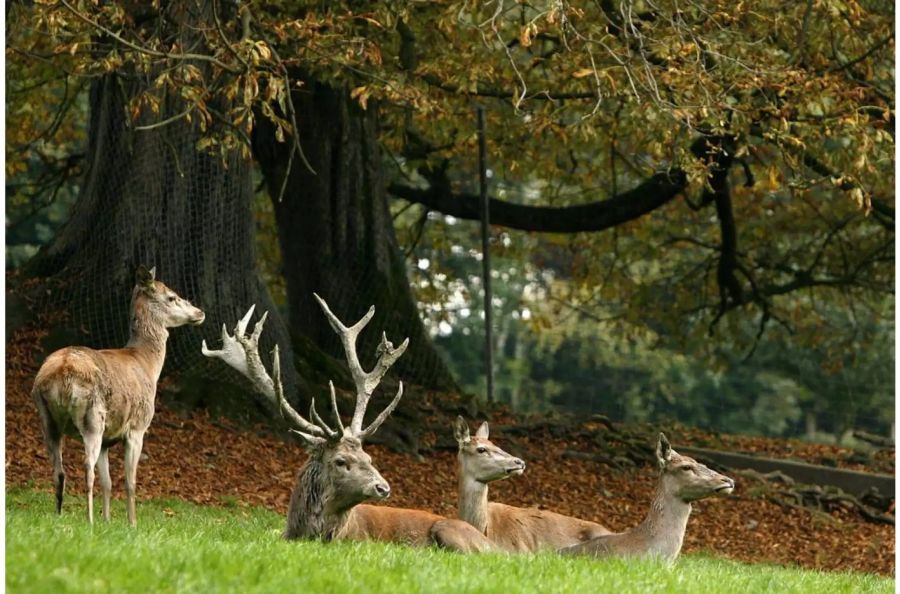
(327, 500)
(681, 481)
(510, 528)
(108, 396)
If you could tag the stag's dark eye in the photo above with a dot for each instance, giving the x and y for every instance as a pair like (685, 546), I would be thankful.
(172, 299)
(340, 462)
(481, 450)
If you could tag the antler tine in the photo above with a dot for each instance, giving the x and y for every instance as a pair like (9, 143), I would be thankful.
(318, 420)
(258, 328)
(384, 414)
(310, 439)
(348, 337)
(287, 411)
(366, 382)
(334, 407)
(241, 352)
(242, 356)
(241, 327)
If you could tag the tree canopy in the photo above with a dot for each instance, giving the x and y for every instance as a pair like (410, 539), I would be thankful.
(717, 168)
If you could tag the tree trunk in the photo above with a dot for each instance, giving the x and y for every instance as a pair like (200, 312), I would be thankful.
(336, 232)
(149, 197)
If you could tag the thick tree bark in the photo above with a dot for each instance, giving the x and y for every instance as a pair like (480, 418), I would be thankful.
(150, 197)
(336, 232)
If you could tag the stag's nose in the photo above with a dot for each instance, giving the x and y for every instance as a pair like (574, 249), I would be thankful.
(383, 490)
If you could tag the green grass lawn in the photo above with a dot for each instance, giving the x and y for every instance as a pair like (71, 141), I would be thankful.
(179, 547)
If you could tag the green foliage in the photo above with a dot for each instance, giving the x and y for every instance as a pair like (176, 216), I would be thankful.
(583, 102)
(179, 547)
(550, 352)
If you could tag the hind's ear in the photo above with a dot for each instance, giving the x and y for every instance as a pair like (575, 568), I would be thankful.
(461, 430)
(663, 451)
(484, 431)
(144, 277)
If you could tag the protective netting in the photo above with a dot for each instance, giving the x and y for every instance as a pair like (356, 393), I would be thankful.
(150, 197)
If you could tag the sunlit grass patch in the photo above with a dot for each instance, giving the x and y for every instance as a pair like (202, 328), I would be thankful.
(181, 547)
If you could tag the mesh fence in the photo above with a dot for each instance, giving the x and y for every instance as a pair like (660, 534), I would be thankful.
(149, 197)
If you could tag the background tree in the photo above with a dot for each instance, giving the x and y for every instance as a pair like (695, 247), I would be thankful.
(742, 156)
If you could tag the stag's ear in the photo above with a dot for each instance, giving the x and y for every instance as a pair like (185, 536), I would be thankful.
(483, 431)
(663, 451)
(461, 430)
(144, 277)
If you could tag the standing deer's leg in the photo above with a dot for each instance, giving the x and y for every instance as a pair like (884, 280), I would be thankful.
(53, 439)
(59, 473)
(105, 482)
(92, 446)
(133, 444)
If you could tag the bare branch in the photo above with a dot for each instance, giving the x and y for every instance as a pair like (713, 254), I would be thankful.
(147, 51)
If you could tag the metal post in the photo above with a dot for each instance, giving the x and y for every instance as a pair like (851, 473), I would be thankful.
(486, 258)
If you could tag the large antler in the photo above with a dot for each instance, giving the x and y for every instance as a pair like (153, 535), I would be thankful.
(241, 352)
(366, 382)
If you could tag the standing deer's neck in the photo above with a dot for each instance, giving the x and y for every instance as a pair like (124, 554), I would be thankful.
(310, 515)
(473, 502)
(666, 522)
(147, 336)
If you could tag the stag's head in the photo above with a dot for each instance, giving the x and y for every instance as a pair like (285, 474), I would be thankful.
(348, 473)
(687, 479)
(480, 459)
(336, 452)
(153, 299)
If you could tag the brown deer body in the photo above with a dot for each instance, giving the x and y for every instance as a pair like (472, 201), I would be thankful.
(510, 528)
(107, 396)
(682, 480)
(338, 475)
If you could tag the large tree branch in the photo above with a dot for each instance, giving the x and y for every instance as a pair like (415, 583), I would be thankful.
(595, 216)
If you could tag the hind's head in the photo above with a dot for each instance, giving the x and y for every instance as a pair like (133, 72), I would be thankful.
(152, 297)
(687, 479)
(480, 459)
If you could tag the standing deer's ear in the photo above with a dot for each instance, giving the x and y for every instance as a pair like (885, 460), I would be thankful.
(461, 430)
(144, 277)
(483, 431)
(663, 451)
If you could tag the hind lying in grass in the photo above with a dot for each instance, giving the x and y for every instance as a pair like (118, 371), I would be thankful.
(681, 481)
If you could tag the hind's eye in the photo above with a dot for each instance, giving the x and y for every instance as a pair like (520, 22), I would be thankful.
(686, 468)
(481, 450)
(172, 299)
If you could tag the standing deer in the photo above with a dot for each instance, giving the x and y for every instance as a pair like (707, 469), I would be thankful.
(681, 481)
(107, 396)
(327, 500)
(510, 528)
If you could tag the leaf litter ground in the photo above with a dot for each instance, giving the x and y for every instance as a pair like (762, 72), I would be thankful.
(213, 462)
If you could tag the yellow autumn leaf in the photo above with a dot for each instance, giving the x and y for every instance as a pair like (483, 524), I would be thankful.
(583, 72)
(525, 35)
(774, 184)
